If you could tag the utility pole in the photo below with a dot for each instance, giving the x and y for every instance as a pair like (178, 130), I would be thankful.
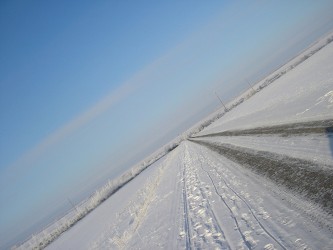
(221, 101)
(249, 84)
(74, 207)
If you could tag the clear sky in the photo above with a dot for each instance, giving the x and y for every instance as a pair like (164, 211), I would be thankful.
(88, 88)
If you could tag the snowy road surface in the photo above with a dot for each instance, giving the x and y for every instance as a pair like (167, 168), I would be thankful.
(198, 199)
(260, 177)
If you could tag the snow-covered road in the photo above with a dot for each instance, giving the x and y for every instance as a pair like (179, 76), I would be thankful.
(198, 199)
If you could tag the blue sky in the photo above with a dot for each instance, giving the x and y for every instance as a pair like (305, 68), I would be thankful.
(89, 88)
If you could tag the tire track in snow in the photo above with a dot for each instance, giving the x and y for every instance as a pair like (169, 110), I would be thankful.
(300, 128)
(310, 180)
(211, 212)
(249, 186)
(232, 214)
(202, 221)
(251, 211)
(248, 245)
(186, 213)
(245, 202)
(293, 146)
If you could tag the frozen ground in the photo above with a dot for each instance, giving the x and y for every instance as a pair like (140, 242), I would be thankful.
(261, 177)
(304, 93)
(202, 200)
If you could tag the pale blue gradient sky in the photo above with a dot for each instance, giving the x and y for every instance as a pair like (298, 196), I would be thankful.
(87, 90)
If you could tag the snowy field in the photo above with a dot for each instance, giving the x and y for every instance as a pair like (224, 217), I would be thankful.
(260, 177)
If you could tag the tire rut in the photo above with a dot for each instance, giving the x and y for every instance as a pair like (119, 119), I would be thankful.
(309, 180)
(245, 202)
(248, 245)
(301, 128)
(188, 234)
(202, 225)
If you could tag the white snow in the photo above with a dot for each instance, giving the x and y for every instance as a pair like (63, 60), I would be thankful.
(198, 199)
(302, 94)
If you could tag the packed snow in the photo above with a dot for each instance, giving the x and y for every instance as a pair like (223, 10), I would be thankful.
(223, 188)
